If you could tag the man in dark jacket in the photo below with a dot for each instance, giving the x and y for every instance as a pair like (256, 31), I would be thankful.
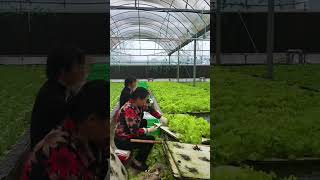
(130, 85)
(66, 72)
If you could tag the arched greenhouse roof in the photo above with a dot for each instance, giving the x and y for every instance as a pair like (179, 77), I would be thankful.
(169, 23)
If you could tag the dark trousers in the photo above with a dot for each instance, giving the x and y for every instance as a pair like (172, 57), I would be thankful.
(143, 123)
(143, 148)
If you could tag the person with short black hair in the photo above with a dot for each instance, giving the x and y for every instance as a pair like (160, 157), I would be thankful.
(67, 70)
(130, 84)
(128, 127)
(79, 149)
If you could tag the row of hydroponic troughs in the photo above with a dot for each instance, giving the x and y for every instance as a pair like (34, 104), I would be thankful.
(266, 121)
(189, 128)
(177, 101)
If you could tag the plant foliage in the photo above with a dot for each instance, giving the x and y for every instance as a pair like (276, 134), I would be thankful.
(256, 119)
(176, 98)
(190, 128)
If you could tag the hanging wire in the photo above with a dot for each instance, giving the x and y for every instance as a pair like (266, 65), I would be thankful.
(249, 35)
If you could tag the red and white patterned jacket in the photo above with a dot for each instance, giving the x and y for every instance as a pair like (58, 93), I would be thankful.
(128, 120)
(52, 159)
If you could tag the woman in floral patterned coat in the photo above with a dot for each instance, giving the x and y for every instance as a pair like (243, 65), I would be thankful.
(79, 149)
(129, 127)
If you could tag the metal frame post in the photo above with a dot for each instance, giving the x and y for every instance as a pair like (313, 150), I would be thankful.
(178, 66)
(218, 33)
(169, 67)
(194, 62)
(270, 38)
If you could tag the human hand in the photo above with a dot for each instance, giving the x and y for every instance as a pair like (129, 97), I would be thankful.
(164, 120)
(152, 129)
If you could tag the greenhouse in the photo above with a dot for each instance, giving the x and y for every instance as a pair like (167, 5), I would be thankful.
(166, 46)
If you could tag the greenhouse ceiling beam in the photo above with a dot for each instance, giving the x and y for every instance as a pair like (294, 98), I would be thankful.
(167, 45)
(119, 42)
(132, 55)
(158, 49)
(194, 37)
(198, 11)
(119, 53)
(151, 39)
(182, 54)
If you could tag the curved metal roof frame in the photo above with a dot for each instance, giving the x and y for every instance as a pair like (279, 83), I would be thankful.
(123, 19)
(148, 5)
(134, 29)
(178, 3)
(147, 24)
(172, 14)
(128, 25)
(146, 35)
(155, 26)
(151, 25)
(149, 17)
(138, 19)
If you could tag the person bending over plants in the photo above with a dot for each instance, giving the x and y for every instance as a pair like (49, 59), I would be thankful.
(128, 127)
(79, 149)
(130, 84)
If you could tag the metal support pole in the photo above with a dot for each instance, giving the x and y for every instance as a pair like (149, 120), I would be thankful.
(178, 66)
(218, 33)
(270, 38)
(169, 67)
(194, 62)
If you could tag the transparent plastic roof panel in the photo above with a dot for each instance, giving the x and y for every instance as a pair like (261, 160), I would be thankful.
(165, 25)
(262, 5)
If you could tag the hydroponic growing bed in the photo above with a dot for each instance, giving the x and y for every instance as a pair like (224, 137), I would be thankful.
(115, 91)
(190, 128)
(244, 173)
(305, 75)
(175, 98)
(203, 85)
(15, 105)
(184, 120)
(260, 120)
(197, 128)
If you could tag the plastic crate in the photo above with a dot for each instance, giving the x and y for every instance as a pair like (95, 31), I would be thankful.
(150, 124)
(143, 84)
(99, 71)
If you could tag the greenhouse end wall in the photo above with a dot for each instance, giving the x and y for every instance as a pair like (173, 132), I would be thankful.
(293, 30)
(38, 33)
(144, 72)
